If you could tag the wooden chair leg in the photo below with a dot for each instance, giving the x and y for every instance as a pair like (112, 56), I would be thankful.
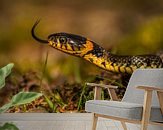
(97, 95)
(160, 98)
(146, 110)
(94, 122)
(124, 125)
(112, 94)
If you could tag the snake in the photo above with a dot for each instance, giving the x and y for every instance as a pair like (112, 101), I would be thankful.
(89, 50)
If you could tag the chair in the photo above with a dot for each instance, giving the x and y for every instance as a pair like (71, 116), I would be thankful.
(141, 104)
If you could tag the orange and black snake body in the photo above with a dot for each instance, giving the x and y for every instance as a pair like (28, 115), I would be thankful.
(89, 50)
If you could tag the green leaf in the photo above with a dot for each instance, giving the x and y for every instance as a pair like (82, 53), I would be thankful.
(20, 99)
(8, 126)
(4, 72)
(5, 107)
(24, 97)
(50, 103)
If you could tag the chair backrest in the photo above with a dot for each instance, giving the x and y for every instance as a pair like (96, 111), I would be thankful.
(143, 77)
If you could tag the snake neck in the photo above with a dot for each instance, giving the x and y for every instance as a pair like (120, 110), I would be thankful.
(100, 57)
(120, 64)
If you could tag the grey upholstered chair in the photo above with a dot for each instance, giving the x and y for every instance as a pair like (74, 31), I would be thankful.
(138, 104)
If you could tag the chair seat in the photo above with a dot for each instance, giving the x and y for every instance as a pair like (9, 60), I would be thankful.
(125, 110)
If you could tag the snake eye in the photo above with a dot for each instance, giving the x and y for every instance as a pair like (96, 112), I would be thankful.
(63, 40)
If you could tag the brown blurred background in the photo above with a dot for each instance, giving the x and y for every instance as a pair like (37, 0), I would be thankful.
(122, 27)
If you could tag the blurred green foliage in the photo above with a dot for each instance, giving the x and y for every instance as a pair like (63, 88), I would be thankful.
(148, 38)
(9, 126)
(4, 72)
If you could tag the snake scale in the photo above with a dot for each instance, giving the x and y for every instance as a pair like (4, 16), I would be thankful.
(89, 50)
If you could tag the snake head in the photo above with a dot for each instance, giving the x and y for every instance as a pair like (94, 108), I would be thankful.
(69, 43)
